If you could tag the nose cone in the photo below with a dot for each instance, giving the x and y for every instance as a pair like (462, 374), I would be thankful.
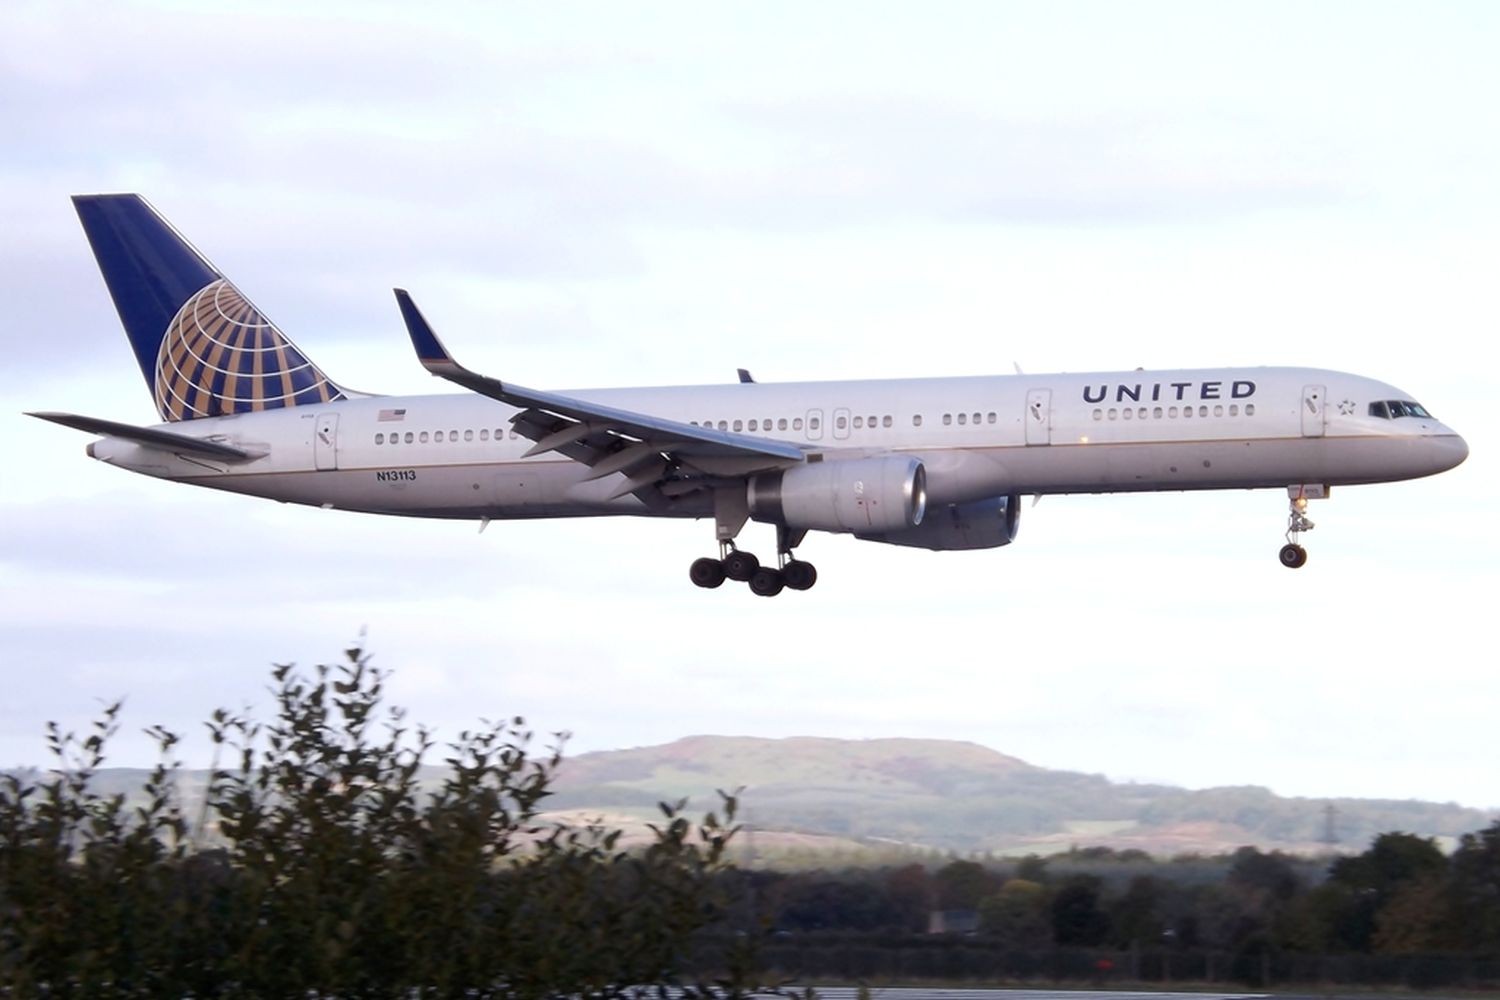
(1450, 450)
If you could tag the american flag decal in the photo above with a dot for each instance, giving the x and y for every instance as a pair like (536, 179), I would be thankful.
(388, 415)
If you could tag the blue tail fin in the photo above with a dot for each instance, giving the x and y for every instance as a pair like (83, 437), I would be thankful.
(204, 349)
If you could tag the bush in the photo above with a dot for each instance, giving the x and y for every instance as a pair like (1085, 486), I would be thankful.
(323, 865)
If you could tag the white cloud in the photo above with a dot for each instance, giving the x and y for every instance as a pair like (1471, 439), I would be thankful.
(593, 196)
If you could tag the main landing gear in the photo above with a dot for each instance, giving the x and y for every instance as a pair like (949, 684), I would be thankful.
(743, 567)
(1293, 555)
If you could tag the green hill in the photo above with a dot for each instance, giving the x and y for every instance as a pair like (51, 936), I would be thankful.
(813, 795)
(962, 797)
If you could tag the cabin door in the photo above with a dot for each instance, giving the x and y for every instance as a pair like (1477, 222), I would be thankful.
(1314, 407)
(1038, 416)
(326, 442)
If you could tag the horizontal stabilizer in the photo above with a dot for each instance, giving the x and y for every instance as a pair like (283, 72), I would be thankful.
(150, 437)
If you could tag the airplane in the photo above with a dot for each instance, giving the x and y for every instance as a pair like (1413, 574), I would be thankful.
(936, 463)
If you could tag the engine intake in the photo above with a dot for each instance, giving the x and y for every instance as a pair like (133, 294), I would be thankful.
(864, 495)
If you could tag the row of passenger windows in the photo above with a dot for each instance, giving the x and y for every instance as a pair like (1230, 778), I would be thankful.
(1386, 409)
(840, 422)
(1170, 412)
(422, 437)
(766, 425)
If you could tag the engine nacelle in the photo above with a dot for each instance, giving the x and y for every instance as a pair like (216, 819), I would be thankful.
(863, 495)
(980, 524)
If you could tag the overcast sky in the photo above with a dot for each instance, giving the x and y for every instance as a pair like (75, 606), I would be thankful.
(591, 195)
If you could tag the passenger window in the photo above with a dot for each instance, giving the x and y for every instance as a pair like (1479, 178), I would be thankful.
(1127, 413)
(781, 424)
(976, 419)
(408, 437)
(1249, 409)
(1156, 413)
(1113, 413)
(989, 417)
(963, 419)
(422, 437)
(1219, 409)
(885, 421)
(1234, 409)
(1098, 414)
(723, 425)
(739, 425)
(814, 423)
(1172, 412)
(754, 425)
(858, 422)
(468, 435)
(380, 439)
(916, 420)
(841, 422)
(796, 423)
(484, 434)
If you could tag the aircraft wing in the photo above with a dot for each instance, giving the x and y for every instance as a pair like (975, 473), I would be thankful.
(608, 439)
(151, 437)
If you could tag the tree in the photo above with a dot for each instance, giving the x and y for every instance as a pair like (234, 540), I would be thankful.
(1077, 919)
(1391, 860)
(1476, 888)
(338, 872)
(1017, 915)
(960, 885)
(1135, 917)
(1360, 887)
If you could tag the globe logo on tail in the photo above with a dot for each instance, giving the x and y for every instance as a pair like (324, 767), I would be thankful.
(220, 355)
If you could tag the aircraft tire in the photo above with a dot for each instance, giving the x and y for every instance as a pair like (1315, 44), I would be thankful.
(740, 565)
(1293, 556)
(766, 582)
(707, 573)
(799, 575)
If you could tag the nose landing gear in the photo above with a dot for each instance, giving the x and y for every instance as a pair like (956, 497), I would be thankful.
(1293, 555)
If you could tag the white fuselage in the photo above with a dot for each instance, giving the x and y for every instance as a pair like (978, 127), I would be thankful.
(457, 455)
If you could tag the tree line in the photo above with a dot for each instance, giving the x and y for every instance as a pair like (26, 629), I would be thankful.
(1403, 910)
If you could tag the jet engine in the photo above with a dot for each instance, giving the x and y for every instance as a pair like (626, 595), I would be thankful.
(864, 495)
(979, 524)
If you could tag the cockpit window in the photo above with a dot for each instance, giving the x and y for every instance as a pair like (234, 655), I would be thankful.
(1391, 409)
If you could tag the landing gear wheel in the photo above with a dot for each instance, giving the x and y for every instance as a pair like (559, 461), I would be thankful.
(707, 573)
(766, 582)
(740, 565)
(1293, 556)
(799, 575)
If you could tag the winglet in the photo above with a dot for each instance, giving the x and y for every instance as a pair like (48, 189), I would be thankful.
(430, 350)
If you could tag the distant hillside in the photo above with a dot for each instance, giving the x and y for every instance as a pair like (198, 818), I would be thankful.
(811, 795)
(962, 797)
